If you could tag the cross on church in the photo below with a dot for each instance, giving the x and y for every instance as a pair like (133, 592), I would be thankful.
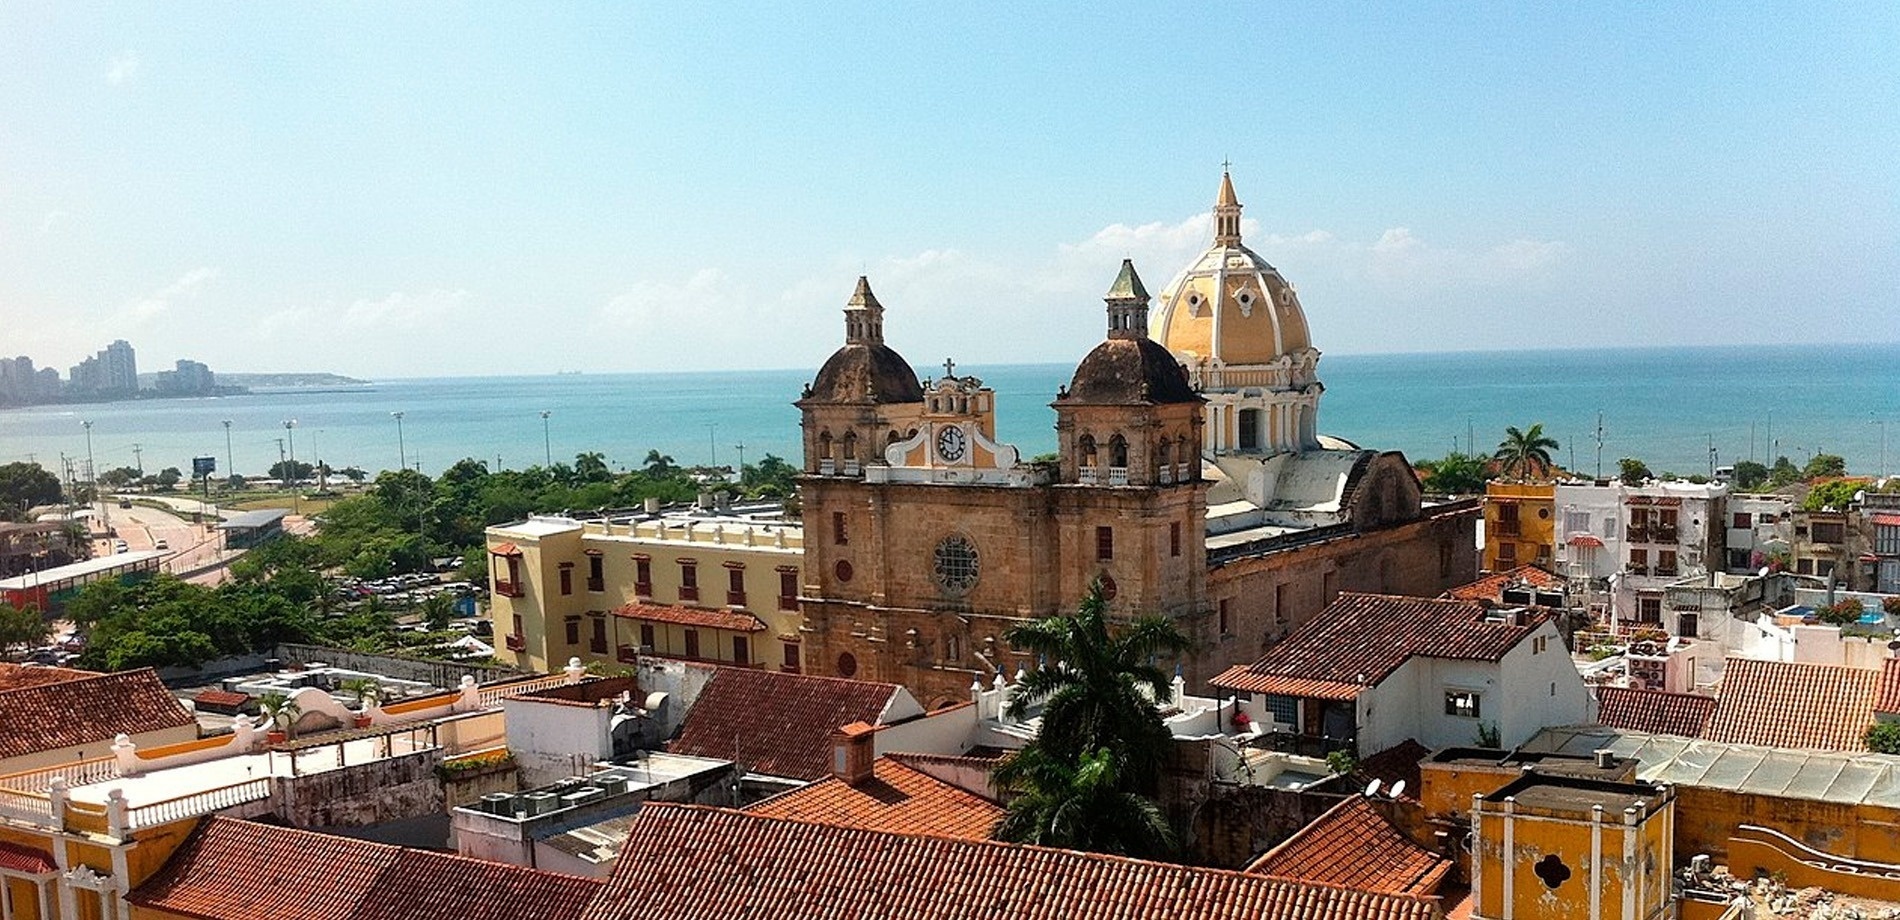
(949, 368)
(1224, 164)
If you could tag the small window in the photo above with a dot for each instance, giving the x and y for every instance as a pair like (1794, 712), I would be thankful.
(643, 576)
(567, 578)
(692, 643)
(1226, 628)
(839, 535)
(1743, 520)
(1104, 544)
(519, 630)
(646, 636)
(788, 589)
(1461, 703)
(788, 658)
(1174, 538)
(735, 585)
(1284, 709)
(741, 650)
(573, 625)
(598, 641)
(689, 581)
(842, 570)
(596, 574)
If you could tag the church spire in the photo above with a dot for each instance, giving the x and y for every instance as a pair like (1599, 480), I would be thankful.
(1226, 212)
(863, 316)
(1127, 301)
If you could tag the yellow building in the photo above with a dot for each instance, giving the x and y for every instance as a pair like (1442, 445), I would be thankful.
(702, 586)
(1519, 524)
(1558, 846)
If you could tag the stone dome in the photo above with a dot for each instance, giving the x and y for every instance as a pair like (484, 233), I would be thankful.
(1229, 307)
(1130, 371)
(865, 370)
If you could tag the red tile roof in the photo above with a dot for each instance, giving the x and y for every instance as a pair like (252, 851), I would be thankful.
(1359, 639)
(896, 798)
(1791, 705)
(689, 862)
(237, 870)
(1887, 689)
(26, 860)
(777, 724)
(1354, 846)
(691, 616)
(15, 676)
(87, 710)
(1491, 586)
(1654, 711)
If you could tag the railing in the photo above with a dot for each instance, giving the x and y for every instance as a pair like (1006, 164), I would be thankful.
(493, 695)
(1088, 475)
(1638, 535)
(852, 468)
(1166, 475)
(198, 803)
(1284, 541)
(517, 643)
(735, 598)
(643, 588)
(827, 467)
(78, 773)
(36, 808)
(1118, 475)
(788, 603)
(689, 592)
(1509, 527)
(627, 654)
(508, 588)
(1183, 472)
(1665, 535)
(596, 584)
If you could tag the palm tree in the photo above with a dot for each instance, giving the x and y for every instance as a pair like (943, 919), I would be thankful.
(1100, 692)
(659, 465)
(280, 712)
(591, 466)
(1525, 451)
(1080, 806)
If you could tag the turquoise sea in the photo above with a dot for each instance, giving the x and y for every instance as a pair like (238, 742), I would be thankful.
(1661, 404)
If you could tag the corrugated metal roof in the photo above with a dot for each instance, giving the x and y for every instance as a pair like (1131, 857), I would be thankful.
(1822, 776)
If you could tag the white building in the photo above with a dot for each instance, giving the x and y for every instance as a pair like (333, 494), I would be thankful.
(1626, 543)
(1371, 671)
(1758, 525)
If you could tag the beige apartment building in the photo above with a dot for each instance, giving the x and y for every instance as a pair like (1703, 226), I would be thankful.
(701, 585)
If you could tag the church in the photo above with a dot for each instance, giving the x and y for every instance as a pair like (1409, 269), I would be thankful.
(1191, 479)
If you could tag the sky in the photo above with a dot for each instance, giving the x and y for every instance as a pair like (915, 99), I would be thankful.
(397, 190)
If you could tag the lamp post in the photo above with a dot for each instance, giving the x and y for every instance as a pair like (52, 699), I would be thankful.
(92, 480)
(290, 468)
(547, 446)
(402, 453)
(1883, 445)
(230, 465)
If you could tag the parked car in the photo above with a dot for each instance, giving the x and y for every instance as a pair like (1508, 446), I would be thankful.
(118, 546)
(161, 545)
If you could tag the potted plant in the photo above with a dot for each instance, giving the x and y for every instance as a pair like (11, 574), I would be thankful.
(367, 693)
(280, 713)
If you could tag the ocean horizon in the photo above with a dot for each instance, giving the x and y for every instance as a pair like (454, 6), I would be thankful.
(1664, 405)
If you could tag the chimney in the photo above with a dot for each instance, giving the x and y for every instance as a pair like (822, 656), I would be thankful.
(852, 753)
(1606, 759)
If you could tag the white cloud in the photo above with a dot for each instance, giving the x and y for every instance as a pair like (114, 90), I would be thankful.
(142, 310)
(124, 67)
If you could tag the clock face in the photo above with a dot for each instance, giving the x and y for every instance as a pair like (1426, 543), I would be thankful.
(950, 444)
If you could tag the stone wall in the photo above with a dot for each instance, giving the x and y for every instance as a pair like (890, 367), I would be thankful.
(356, 796)
(445, 674)
(1234, 824)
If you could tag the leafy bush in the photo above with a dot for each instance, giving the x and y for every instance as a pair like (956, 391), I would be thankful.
(1842, 612)
(1883, 738)
(1891, 605)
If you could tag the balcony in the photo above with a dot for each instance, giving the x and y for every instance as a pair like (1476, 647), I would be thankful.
(1183, 473)
(1666, 570)
(1665, 534)
(827, 467)
(1637, 534)
(1088, 475)
(510, 588)
(643, 588)
(852, 468)
(596, 585)
(627, 654)
(735, 598)
(1118, 475)
(517, 643)
(1166, 476)
(689, 592)
(1509, 527)
(788, 603)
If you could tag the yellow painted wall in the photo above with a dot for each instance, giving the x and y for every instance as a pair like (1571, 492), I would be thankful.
(1538, 835)
(1535, 540)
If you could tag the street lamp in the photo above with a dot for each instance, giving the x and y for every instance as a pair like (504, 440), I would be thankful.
(402, 453)
(290, 469)
(547, 446)
(92, 477)
(230, 466)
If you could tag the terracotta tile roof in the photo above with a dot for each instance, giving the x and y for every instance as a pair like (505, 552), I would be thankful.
(237, 870)
(912, 759)
(26, 860)
(1887, 689)
(1491, 586)
(896, 798)
(1359, 639)
(1354, 846)
(222, 699)
(690, 862)
(87, 710)
(777, 724)
(15, 676)
(1791, 705)
(1654, 711)
(691, 616)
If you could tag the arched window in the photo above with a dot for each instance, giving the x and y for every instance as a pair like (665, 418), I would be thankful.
(1085, 448)
(1118, 451)
(1163, 452)
(850, 445)
(824, 445)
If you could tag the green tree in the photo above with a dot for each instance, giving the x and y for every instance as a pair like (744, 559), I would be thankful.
(1749, 475)
(169, 477)
(116, 478)
(591, 466)
(658, 465)
(771, 477)
(1455, 474)
(1633, 472)
(20, 626)
(1837, 495)
(1083, 805)
(291, 470)
(1883, 738)
(1822, 466)
(1783, 472)
(1525, 453)
(23, 486)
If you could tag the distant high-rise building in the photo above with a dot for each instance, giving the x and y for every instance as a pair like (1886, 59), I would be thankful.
(190, 378)
(121, 367)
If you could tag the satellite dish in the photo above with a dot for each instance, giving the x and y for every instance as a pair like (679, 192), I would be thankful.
(1398, 789)
(1764, 572)
(1372, 789)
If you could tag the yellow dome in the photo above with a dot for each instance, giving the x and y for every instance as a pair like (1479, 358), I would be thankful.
(1229, 306)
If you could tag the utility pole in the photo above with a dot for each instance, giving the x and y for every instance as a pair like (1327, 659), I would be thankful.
(1711, 455)
(138, 459)
(1599, 443)
(740, 447)
(230, 465)
(290, 433)
(712, 443)
(402, 453)
(283, 467)
(547, 446)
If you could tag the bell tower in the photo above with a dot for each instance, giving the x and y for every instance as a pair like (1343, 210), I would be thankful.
(1132, 508)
